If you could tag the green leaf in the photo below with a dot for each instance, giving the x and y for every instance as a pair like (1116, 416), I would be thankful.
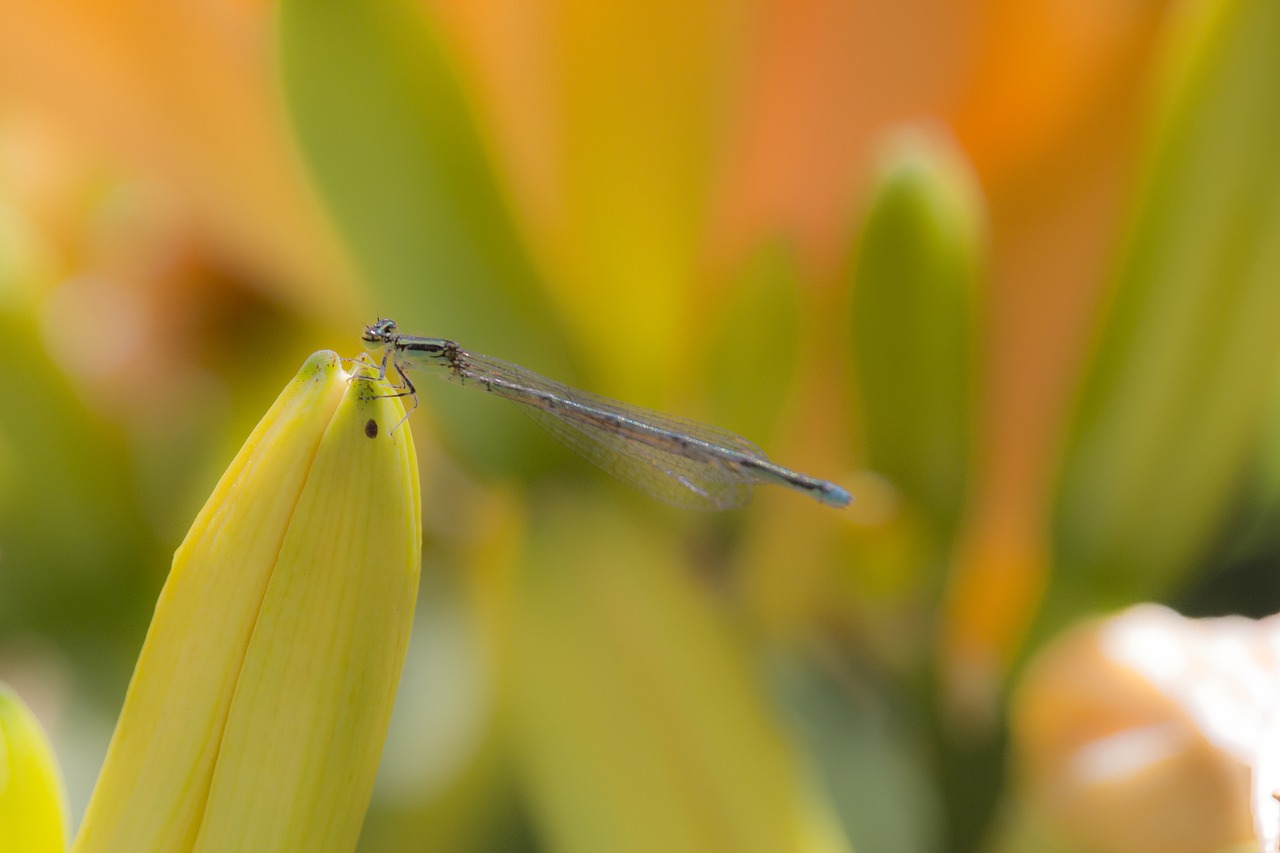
(755, 344)
(867, 755)
(76, 546)
(1176, 396)
(392, 145)
(914, 282)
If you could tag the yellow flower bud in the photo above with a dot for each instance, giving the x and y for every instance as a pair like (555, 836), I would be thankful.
(257, 712)
(32, 802)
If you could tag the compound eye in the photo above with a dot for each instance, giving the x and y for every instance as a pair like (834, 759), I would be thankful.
(378, 332)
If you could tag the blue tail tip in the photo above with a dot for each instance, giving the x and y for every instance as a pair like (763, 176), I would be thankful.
(836, 496)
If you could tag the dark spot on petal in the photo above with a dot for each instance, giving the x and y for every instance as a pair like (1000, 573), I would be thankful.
(371, 428)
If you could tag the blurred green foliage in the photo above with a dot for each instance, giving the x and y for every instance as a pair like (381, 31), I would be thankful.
(73, 533)
(1172, 409)
(753, 344)
(915, 283)
(391, 142)
(638, 719)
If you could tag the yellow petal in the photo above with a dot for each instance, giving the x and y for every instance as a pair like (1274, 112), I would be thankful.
(32, 802)
(256, 715)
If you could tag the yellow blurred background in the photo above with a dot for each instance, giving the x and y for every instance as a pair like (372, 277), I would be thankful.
(1007, 270)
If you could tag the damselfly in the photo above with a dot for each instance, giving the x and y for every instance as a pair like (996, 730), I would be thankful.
(679, 461)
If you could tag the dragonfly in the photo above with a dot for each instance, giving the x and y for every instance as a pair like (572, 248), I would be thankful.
(678, 461)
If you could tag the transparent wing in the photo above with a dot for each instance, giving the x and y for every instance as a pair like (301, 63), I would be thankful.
(666, 476)
(699, 475)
